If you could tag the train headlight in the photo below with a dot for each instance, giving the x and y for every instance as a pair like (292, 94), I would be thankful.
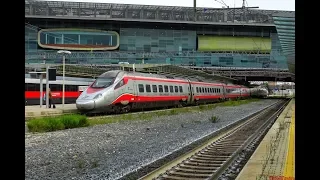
(97, 96)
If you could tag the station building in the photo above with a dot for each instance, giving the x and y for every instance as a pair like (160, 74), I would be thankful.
(102, 33)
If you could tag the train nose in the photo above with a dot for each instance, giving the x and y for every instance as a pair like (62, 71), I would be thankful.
(85, 105)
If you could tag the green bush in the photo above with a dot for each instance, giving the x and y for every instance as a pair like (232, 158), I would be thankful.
(46, 124)
(213, 119)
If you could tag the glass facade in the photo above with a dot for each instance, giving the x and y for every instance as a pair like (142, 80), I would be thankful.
(163, 45)
(157, 40)
(78, 39)
(31, 39)
(286, 34)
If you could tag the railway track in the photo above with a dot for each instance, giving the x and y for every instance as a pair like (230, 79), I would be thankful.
(224, 156)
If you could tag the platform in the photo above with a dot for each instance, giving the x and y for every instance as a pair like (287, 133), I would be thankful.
(36, 111)
(274, 158)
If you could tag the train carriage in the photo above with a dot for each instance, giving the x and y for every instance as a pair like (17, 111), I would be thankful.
(120, 91)
(72, 90)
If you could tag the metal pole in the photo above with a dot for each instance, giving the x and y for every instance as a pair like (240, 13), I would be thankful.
(41, 89)
(63, 71)
(47, 86)
(195, 9)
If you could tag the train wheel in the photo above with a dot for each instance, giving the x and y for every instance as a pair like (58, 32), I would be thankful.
(126, 109)
(116, 109)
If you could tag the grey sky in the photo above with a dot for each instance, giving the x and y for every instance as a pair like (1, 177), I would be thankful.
(288, 5)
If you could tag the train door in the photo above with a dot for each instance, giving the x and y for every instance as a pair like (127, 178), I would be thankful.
(130, 87)
(190, 93)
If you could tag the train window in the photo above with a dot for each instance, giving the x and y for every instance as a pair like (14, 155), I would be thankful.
(154, 88)
(176, 89)
(180, 89)
(161, 89)
(211, 90)
(141, 88)
(57, 87)
(166, 89)
(75, 88)
(148, 88)
(202, 89)
(171, 88)
(68, 88)
(32, 87)
(197, 89)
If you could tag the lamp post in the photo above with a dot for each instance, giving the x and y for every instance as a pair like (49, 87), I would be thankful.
(63, 72)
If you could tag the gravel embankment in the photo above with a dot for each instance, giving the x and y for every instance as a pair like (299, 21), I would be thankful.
(112, 150)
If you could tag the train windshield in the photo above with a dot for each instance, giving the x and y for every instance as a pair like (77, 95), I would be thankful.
(105, 80)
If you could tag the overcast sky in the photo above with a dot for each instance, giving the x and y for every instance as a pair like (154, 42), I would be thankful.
(288, 5)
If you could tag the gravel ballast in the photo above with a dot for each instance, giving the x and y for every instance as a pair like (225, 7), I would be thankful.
(110, 151)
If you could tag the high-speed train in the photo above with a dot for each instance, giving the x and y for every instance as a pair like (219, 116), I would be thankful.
(121, 91)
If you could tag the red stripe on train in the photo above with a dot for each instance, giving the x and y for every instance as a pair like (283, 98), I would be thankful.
(133, 98)
(209, 97)
(55, 94)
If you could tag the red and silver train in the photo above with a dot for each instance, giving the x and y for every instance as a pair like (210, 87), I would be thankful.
(121, 91)
(73, 88)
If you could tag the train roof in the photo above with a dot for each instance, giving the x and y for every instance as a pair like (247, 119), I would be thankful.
(67, 78)
(67, 82)
(155, 76)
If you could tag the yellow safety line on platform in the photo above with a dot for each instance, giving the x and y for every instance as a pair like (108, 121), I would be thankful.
(289, 165)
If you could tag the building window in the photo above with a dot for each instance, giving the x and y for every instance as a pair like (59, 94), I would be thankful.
(78, 39)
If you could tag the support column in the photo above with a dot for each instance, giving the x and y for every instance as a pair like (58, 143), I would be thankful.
(47, 86)
(41, 89)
